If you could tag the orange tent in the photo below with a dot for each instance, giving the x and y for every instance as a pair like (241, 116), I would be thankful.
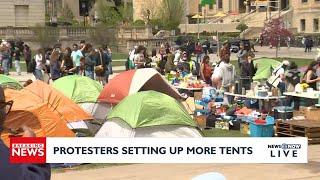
(43, 109)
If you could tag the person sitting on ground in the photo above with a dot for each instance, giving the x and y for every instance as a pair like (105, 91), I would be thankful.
(18, 171)
(310, 77)
(206, 70)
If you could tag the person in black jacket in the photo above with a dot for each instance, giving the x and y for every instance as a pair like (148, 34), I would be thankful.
(247, 72)
(18, 171)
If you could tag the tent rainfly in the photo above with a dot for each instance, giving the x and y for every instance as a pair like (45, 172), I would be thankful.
(43, 109)
(264, 68)
(83, 91)
(8, 82)
(133, 81)
(149, 114)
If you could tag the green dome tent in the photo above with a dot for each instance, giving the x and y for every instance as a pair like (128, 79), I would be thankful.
(149, 114)
(80, 89)
(265, 67)
(83, 91)
(8, 82)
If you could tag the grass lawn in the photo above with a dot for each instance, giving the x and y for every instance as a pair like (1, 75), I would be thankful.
(119, 56)
(299, 62)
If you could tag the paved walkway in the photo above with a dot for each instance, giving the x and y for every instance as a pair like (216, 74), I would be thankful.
(310, 171)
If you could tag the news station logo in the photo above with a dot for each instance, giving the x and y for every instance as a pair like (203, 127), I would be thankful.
(27, 150)
(284, 150)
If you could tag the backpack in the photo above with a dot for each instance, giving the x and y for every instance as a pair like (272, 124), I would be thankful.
(195, 68)
(32, 66)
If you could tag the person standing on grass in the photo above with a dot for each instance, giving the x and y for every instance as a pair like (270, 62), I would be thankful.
(17, 56)
(76, 55)
(206, 70)
(107, 59)
(55, 65)
(4, 51)
(110, 60)
(27, 55)
(89, 61)
(39, 65)
(67, 64)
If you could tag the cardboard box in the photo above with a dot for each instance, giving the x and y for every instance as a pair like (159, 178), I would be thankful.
(313, 114)
(301, 112)
(197, 95)
(201, 120)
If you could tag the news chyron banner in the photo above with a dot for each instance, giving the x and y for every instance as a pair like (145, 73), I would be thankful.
(158, 150)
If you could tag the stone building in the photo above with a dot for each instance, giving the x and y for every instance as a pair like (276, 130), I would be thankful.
(22, 13)
(306, 14)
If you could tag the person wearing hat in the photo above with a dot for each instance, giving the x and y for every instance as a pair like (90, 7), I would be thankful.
(279, 72)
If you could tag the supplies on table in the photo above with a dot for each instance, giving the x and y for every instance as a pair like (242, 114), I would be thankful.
(262, 127)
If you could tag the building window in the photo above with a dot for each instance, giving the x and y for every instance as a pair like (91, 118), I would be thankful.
(199, 8)
(304, 1)
(315, 25)
(220, 5)
(303, 24)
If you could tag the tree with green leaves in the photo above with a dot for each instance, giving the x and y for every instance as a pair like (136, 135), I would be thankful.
(171, 13)
(107, 14)
(66, 14)
(242, 27)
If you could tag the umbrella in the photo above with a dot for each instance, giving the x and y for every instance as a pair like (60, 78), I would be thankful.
(220, 14)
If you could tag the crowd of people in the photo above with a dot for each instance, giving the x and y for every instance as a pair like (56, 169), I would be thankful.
(53, 63)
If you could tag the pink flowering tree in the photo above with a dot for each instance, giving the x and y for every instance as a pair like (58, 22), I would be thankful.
(274, 32)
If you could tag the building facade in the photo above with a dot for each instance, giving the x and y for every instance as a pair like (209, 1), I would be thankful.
(306, 15)
(22, 13)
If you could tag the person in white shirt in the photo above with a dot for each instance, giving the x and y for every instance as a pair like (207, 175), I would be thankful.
(39, 65)
(223, 75)
(76, 55)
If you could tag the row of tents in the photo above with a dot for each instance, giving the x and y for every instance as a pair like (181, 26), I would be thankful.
(134, 103)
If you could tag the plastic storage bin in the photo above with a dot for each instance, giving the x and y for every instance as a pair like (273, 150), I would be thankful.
(259, 130)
